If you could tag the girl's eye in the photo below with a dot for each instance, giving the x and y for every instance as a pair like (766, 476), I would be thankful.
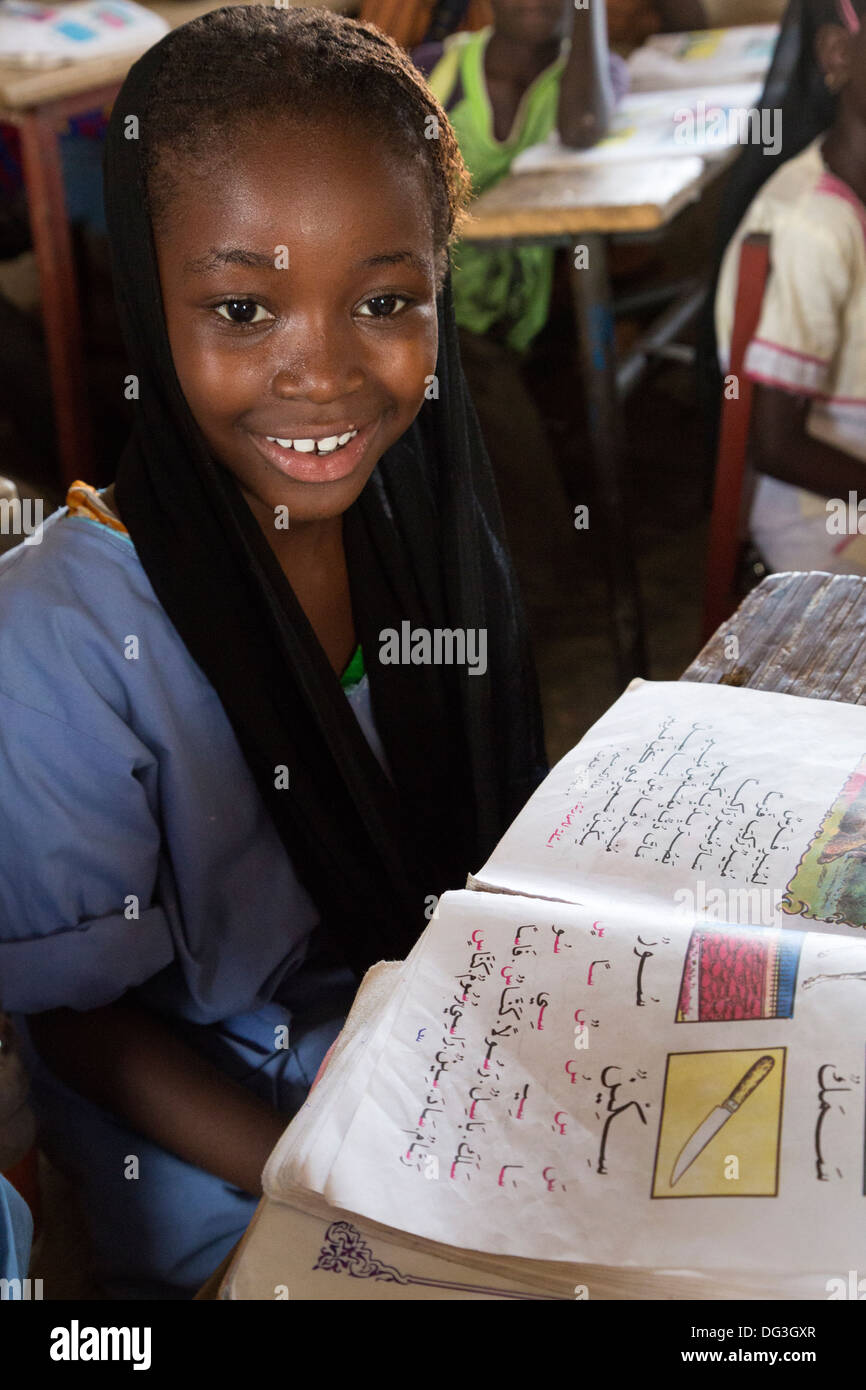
(382, 306)
(242, 311)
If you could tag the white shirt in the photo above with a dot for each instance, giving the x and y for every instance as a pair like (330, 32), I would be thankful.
(811, 341)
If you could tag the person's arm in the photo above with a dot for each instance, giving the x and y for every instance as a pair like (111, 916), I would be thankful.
(586, 97)
(128, 1060)
(797, 340)
(782, 447)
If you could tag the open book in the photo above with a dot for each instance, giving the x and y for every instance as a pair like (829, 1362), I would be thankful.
(628, 1060)
(34, 35)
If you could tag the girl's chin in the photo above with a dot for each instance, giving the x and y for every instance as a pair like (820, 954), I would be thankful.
(290, 503)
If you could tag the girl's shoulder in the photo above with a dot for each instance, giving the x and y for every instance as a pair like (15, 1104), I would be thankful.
(794, 180)
(804, 202)
(80, 624)
(69, 570)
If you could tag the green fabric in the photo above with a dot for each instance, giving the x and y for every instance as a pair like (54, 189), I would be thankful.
(354, 672)
(510, 288)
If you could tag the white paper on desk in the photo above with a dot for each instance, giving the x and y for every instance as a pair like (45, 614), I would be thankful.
(35, 35)
(505, 1136)
(703, 56)
(690, 121)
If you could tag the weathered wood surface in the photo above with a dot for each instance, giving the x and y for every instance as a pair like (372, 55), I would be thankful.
(800, 634)
(618, 197)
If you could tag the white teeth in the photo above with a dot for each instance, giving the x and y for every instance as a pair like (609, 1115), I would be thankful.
(320, 446)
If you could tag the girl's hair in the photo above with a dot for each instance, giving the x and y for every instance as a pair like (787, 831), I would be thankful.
(233, 67)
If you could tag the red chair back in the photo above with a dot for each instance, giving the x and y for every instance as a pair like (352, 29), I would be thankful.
(734, 482)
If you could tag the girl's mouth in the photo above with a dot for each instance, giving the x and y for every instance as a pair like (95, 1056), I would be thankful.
(325, 459)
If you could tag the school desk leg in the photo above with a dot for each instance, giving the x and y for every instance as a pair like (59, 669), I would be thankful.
(43, 175)
(595, 336)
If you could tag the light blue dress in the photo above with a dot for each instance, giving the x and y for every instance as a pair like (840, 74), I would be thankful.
(16, 1234)
(136, 853)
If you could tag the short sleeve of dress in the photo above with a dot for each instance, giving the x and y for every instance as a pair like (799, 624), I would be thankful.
(79, 850)
(802, 313)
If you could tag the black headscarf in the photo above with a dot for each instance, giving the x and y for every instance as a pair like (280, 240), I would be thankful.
(794, 86)
(424, 544)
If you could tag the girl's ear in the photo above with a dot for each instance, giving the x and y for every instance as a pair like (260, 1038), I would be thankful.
(833, 51)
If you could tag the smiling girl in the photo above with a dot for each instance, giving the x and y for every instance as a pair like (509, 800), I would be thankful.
(220, 806)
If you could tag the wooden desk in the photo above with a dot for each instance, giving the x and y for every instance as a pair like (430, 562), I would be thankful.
(586, 207)
(40, 103)
(799, 634)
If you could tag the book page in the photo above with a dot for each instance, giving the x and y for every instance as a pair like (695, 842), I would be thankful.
(701, 120)
(729, 804)
(709, 56)
(617, 1090)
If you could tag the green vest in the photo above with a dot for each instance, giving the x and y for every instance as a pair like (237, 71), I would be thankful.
(509, 289)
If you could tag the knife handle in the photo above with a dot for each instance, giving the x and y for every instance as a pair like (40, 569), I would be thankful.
(753, 1078)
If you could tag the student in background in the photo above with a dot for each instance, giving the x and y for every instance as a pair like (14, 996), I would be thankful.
(506, 87)
(536, 68)
(796, 89)
(808, 355)
(222, 802)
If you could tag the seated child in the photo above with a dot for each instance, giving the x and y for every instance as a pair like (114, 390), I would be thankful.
(506, 87)
(224, 796)
(808, 355)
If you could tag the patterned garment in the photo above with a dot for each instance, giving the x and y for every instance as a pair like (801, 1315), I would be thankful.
(84, 500)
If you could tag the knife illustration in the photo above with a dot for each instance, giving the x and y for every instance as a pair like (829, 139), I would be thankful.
(710, 1127)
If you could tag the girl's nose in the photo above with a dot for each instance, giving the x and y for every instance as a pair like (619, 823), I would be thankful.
(319, 368)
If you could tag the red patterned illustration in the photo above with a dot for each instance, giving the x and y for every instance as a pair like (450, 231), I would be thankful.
(735, 973)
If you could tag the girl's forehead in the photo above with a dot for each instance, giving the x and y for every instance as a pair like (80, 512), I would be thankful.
(322, 195)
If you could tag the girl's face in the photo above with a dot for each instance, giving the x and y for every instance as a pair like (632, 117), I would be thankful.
(532, 21)
(842, 57)
(298, 284)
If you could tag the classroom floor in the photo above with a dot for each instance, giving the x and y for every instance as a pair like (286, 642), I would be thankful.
(571, 636)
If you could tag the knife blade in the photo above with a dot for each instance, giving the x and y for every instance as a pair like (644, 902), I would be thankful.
(720, 1114)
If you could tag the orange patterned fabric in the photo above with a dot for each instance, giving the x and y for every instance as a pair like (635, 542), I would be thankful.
(84, 500)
